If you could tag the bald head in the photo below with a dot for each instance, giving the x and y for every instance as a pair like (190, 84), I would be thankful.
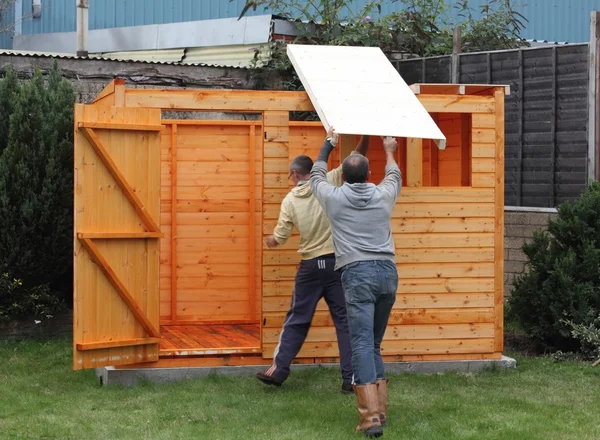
(355, 169)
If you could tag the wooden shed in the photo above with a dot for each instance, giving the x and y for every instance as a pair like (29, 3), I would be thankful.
(170, 215)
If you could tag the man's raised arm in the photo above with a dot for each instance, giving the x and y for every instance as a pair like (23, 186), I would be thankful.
(392, 182)
(363, 145)
(318, 175)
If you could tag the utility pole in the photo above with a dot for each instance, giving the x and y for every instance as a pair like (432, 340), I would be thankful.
(83, 7)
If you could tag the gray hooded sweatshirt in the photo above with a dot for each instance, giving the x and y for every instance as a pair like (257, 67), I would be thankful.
(359, 214)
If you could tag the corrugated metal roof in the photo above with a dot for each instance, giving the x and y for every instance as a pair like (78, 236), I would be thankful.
(236, 56)
(171, 56)
(222, 56)
(104, 57)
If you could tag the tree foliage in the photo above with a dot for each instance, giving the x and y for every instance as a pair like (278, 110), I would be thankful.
(561, 290)
(423, 27)
(36, 184)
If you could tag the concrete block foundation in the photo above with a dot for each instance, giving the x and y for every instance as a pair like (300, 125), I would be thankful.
(130, 377)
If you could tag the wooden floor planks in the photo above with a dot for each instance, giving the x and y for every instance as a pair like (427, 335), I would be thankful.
(198, 339)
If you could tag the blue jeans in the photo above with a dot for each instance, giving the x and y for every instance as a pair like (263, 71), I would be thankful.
(370, 290)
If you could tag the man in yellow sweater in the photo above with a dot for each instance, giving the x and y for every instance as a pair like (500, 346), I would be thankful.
(316, 277)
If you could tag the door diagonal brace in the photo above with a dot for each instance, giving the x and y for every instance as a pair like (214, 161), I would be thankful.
(129, 300)
(135, 201)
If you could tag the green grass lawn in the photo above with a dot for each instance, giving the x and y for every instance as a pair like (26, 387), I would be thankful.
(41, 398)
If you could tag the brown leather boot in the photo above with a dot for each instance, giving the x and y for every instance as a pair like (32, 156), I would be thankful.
(368, 410)
(382, 394)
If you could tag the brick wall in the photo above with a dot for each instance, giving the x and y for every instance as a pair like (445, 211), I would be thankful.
(518, 228)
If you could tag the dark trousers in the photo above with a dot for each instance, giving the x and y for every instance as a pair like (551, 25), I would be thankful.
(315, 279)
(370, 288)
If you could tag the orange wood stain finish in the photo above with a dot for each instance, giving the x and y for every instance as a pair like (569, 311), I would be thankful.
(170, 234)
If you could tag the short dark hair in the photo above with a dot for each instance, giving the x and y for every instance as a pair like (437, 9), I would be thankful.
(356, 168)
(302, 165)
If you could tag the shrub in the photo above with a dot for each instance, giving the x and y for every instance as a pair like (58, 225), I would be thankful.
(561, 288)
(36, 189)
(9, 90)
(588, 335)
(18, 301)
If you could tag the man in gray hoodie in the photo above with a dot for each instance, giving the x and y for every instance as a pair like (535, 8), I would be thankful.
(360, 214)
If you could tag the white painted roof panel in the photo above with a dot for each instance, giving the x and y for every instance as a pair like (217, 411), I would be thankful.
(358, 91)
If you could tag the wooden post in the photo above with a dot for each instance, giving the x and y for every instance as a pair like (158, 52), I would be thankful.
(465, 146)
(414, 162)
(252, 218)
(347, 145)
(174, 222)
(456, 50)
(499, 224)
(593, 99)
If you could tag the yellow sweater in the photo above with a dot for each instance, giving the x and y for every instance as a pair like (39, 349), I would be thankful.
(301, 209)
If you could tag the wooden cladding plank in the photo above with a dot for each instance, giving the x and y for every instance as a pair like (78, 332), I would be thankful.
(401, 347)
(458, 104)
(119, 235)
(116, 343)
(443, 210)
(483, 150)
(406, 271)
(276, 149)
(209, 192)
(409, 308)
(431, 286)
(214, 205)
(441, 255)
(224, 219)
(214, 154)
(275, 314)
(442, 357)
(403, 256)
(420, 241)
(446, 285)
(426, 225)
(120, 126)
(445, 300)
(484, 165)
(419, 210)
(119, 287)
(422, 301)
(218, 100)
(137, 204)
(446, 195)
(276, 118)
(482, 120)
(440, 225)
(483, 135)
(400, 332)
(499, 215)
(480, 180)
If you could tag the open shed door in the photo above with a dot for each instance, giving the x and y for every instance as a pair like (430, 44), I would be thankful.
(116, 242)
